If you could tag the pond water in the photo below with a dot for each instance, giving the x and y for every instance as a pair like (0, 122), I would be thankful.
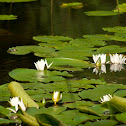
(34, 18)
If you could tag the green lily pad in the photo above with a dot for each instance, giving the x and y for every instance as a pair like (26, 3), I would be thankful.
(78, 104)
(23, 50)
(87, 43)
(72, 117)
(122, 8)
(121, 117)
(111, 49)
(94, 110)
(51, 38)
(101, 13)
(75, 5)
(32, 75)
(5, 121)
(101, 91)
(69, 64)
(101, 123)
(48, 120)
(8, 17)
(119, 29)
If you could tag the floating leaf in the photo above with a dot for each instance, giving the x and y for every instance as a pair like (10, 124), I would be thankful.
(111, 49)
(101, 123)
(121, 7)
(72, 117)
(75, 5)
(121, 117)
(51, 38)
(87, 43)
(32, 75)
(78, 104)
(48, 120)
(68, 63)
(5, 121)
(23, 50)
(101, 13)
(17, 90)
(118, 29)
(119, 103)
(7, 17)
(101, 91)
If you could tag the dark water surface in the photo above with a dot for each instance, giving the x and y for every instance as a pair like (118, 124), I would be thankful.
(34, 18)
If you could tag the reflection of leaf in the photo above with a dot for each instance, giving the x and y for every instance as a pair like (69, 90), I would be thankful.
(101, 13)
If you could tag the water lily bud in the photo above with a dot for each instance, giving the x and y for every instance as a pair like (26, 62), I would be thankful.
(56, 97)
(43, 101)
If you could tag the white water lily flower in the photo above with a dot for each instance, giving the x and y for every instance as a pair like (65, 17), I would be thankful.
(56, 97)
(16, 102)
(103, 68)
(117, 58)
(98, 70)
(102, 57)
(106, 98)
(42, 65)
(116, 67)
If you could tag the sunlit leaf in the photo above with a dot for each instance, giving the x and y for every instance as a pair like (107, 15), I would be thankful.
(7, 17)
(101, 91)
(101, 123)
(23, 50)
(48, 120)
(51, 38)
(121, 117)
(111, 49)
(75, 5)
(68, 63)
(121, 7)
(101, 13)
(17, 90)
(32, 75)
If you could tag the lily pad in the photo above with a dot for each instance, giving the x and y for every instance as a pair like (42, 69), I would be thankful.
(118, 29)
(74, 5)
(101, 13)
(111, 49)
(8, 17)
(78, 104)
(32, 75)
(69, 64)
(87, 43)
(101, 123)
(23, 50)
(122, 8)
(51, 38)
(121, 117)
(101, 91)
